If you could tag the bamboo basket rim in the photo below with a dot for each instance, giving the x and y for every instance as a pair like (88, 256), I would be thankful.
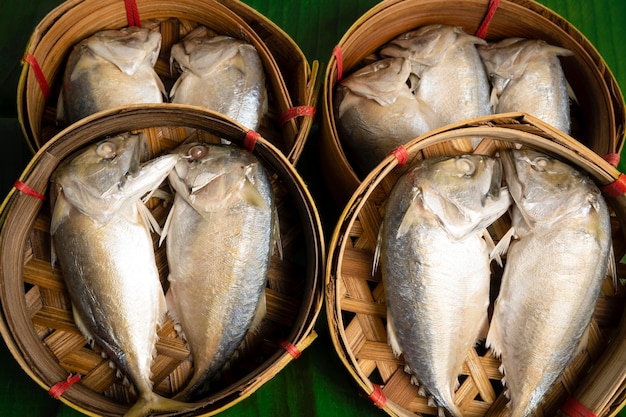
(136, 117)
(510, 127)
(223, 16)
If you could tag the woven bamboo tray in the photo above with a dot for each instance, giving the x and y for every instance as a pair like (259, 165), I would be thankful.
(600, 121)
(36, 320)
(291, 81)
(356, 301)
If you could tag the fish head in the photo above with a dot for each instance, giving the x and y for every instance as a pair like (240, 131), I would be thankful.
(463, 193)
(96, 171)
(201, 54)
(426, 46)
(382, 81)
(508, 58)
(213, 177)
(540, 185)
(128, 48)
(106, 176)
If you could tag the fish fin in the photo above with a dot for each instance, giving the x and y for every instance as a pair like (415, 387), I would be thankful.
(61, 210)
(414, 212)
(252, 195)
(152, 403)
(584, 340)
(611, 271)
(392, 339)
(503, 246)
(379, 240)
(147, 218)
(451, 218)
(172, 312)
(61, 114)
(494, 99)
(166, 227)
(571, 93)
(80, 323)
(260, 314)
(491, 245)
(494, 338)
(276, 237)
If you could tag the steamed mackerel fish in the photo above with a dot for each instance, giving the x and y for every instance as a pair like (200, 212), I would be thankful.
(527, 76)
(552, 277)
(102, 242)
(377, 112)
(109, 69)
(435, 266)
(219, 241)
(447, 73)
(220, 73)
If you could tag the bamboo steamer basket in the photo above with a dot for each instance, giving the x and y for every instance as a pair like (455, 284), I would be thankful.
(601, 117)
(37, 323)
(355, 303)
(291, 81)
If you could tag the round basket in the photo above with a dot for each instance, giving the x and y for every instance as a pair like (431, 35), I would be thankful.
(356, 302)
(37, 323)
(290, 79)
(602, 115)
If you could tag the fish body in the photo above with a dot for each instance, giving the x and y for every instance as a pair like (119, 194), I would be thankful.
(223, 74)
(451, 77)
(435, 265)
(219, 241)
(109, 69)
(552, 276)
(377, 112)
(527, 76)
(105, 251)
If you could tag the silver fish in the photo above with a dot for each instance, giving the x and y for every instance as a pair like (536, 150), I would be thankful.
(103, 245)
(109, 69)
(435, 265)
(451, 76)
(223, 74)
(219, 242)
(377, 112)
(526, 76)
(552, 276)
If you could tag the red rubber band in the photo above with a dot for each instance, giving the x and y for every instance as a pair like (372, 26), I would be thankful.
(20, 186)
(575, 409)
(250, 140)
(481, 32)
(60, 387)
(132, 13)
(39, 75)
(290, 348)
(294, 112)
(617, 188)
(612, 158)
(378, 396)
(401, 155)
(339, 57)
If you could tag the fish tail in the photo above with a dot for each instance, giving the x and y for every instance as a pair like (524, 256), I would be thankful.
(153, 403)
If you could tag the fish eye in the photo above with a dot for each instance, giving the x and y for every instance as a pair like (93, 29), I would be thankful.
(540, 163)
(197, 152)
(466, 166)
(106, 150)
